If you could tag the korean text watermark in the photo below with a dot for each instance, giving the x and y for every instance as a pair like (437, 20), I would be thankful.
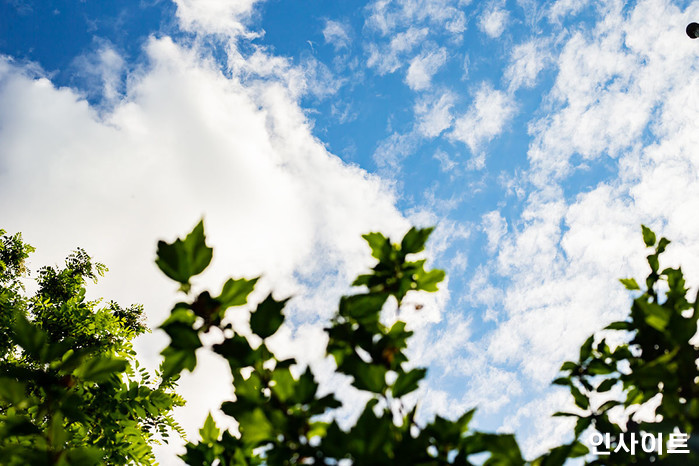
(675, 442)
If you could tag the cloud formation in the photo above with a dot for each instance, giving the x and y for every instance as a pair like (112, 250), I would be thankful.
(486, 118)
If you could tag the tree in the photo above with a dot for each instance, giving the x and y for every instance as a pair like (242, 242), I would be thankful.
(71, 390)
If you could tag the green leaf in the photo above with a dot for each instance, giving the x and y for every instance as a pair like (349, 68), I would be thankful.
(582, 424)
(580, 400)
(183, 336)
(371, 377)
(569, 366)
(360, 306)
(428, 281)
(653, 262)
(13, 391)
(578, 449)
(209, 433)
(648, 236)
(597, 367)
(237, 351)
(100, 368)
(84, 456)
(363, 280)
(655, 315)
(207, 308)
(606, 385)
(180, 314)
(283, 384)
(414, 240)
(370, 437)
(407, 382)
(562, 381)
(621, 325)
(255, 427)
(607, 406)
(268, 317)
(186, 258)
(586, 348)
(379, 244)
(306, 388)
(630, 283)
(176, 360)
(317, 429)
(30, 337)
(564, 414)
(17, 426)
(235, 292)
(502, 447)
(558, 456)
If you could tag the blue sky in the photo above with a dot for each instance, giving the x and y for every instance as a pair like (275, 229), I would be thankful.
(537, 136)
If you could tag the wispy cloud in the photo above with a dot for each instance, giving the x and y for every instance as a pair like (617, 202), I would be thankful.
(446, 163)
(337, 34)
(486, 118)
(388, 58)
(386, 16)
(215, 16)
(493, 21)
(423, 67)
(562, 8)
(527, 60)
(433, 114)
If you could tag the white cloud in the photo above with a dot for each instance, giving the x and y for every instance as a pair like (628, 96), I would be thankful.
(104, 70)
(389, 58)
(423, 67)
(495, 227)
(446, 163)
(319, 80)
(434, 114)
(562, 8)
(337, 34)
(466, 67)
(526, 62)
(224, 17)
(391, 152)
(539, 412)
(385, 16)
(489, 386)
(493, 21)
(403, 24)
(486, 117)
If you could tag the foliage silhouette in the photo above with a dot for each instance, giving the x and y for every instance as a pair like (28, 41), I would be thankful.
(279, 414)
(71, 391)
(281, 417)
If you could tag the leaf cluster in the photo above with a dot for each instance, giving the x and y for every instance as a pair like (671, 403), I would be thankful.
(281, 416)
(658, 359)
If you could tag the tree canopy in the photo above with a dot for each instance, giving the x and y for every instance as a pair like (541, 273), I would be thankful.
(71, 389)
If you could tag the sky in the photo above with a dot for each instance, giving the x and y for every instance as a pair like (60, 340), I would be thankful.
(536, 136)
